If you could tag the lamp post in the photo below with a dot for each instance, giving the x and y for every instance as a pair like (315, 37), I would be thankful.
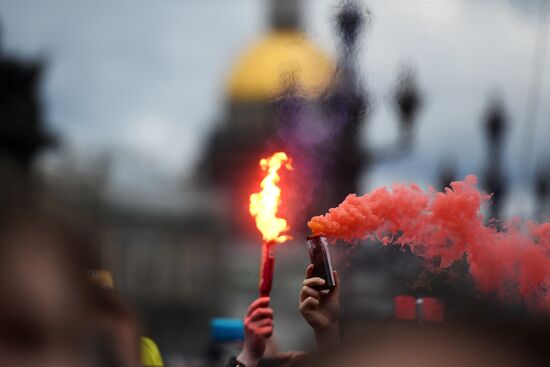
(495, 125)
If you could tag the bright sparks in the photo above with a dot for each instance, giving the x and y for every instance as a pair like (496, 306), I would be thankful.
(265, 204)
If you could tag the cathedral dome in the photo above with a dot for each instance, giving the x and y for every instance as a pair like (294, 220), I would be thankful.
(278, 61)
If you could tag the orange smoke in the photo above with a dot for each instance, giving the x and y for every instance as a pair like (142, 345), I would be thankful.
(446, 227)
(265, 204)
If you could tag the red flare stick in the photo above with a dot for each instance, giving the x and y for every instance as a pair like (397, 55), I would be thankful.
(267, 268)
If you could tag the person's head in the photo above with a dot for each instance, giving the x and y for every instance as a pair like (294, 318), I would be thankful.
(43, 293)
(478, 331)
(416, 345)
(116, 329)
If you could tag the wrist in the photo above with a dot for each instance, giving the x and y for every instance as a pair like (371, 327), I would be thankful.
(328, 336)
(248, 360)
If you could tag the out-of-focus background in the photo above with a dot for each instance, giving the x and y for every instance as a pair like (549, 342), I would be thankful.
(150, 118)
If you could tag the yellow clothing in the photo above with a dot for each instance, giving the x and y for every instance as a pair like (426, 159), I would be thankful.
(150, 353)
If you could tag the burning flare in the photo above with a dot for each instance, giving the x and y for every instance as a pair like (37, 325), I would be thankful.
(265, 204)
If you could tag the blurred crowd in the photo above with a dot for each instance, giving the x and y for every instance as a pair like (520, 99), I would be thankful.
(59, 309)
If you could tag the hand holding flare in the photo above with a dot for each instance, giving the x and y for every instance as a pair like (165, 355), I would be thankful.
(263, 207)
(258, 327)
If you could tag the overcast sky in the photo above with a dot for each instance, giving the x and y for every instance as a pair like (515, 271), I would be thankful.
(145, 79)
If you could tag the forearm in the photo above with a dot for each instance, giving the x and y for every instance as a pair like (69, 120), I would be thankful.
(328, 337)
(247, 360)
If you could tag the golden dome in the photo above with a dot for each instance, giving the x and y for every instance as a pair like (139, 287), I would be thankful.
(265, 70)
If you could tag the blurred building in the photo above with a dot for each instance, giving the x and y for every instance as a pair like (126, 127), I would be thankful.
(22, 130)
(284, 63)
(167, 263)
(282, 94)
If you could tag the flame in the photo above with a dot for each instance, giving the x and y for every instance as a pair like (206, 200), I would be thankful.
(265, 204)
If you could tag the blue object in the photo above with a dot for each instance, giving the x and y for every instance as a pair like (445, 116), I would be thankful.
(226, 330)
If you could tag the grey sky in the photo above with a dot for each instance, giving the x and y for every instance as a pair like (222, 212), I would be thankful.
(145, 79)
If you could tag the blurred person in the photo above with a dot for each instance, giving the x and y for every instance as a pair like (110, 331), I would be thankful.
(44, 308)
(116, 331)
(413, 344)
(118, 335)
(477, 331)
(320, 308)
(258, 328)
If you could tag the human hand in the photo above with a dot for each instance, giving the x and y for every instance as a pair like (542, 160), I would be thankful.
(320, 308)
(258, 327)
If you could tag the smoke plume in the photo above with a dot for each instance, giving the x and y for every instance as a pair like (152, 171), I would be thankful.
(444, 227)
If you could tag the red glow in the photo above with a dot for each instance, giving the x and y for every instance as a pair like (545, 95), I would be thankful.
(264, 204)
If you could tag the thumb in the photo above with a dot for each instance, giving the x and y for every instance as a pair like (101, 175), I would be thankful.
(309, 271)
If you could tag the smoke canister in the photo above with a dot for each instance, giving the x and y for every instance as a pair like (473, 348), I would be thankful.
(319, 255)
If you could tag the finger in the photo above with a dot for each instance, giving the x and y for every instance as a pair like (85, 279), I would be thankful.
(254, 326)
(265, 332)
(309, 271)
(309, 292)
(261, 313)
(262, 323)
(260, 302)
(310, 303)
(313, 282)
